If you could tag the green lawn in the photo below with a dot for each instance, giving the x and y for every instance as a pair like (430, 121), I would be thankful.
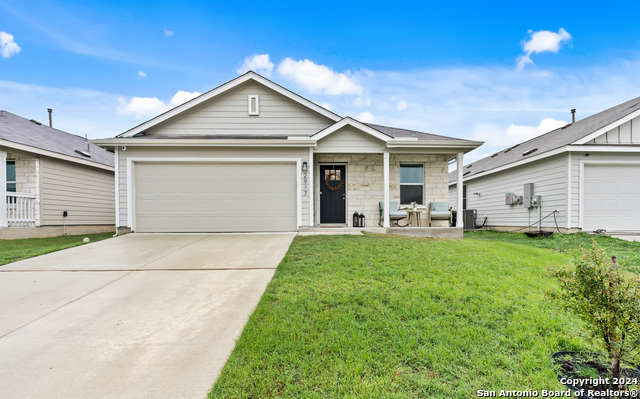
(398, 317)
(14, 250)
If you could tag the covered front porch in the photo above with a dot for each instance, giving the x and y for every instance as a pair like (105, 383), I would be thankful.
(18, 188)
(358, 191)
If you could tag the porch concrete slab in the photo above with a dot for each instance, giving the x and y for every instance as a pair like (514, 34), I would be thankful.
(449, 233)
(229, 251)
(128, 252)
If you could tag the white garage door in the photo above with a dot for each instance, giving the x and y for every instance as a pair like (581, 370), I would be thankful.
(611, 194)
(215, 197)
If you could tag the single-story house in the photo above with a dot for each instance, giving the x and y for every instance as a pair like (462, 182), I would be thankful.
(588, 171)
(52, 182)
(251, 155)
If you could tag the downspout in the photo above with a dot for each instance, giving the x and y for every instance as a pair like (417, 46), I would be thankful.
(117, 191)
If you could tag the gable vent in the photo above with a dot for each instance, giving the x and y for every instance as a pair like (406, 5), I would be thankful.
(531, 151)
(254, 104)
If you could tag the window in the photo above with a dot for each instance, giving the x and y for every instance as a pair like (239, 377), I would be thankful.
(11, 176)
(254, 104)
(411, 184)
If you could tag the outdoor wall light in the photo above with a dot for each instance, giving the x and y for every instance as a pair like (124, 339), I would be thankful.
(304, 167)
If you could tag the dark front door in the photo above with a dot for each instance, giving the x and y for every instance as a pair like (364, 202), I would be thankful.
(332, 193)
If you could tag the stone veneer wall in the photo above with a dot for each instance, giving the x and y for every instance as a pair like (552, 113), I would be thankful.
(28, 178)
(365, 186)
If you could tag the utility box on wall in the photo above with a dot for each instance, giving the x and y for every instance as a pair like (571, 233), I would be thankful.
(528, 195)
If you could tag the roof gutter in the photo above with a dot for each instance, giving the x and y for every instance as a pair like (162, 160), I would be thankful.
(136, 142)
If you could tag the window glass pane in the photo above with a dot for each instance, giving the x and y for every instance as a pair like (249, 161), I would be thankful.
(11, 170)
(411, 174)
(409, 194)
(11, 187)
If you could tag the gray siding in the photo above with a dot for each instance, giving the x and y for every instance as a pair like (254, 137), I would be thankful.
(202, 152)
(350, 140)
(549, 178)
(627, 133)
(86, 193)
(228, 114)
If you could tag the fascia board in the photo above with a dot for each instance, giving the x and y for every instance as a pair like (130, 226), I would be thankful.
(604, 148)
(134, 142)
(51, 154)
(606, 128)
(223, 88)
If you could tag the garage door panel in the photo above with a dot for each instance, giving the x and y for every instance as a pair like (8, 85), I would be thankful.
(610, 197)
(212, 197)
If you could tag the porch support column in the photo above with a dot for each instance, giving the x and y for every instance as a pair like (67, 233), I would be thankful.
(459, 185)
(311, 191)
(385, 157)
(3, 189)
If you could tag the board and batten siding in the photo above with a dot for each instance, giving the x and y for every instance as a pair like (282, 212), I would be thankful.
(350, 140)
(195, 153)
(576, 159)
(86, 193)
(549, 178)
(228, 115)
(627, 133)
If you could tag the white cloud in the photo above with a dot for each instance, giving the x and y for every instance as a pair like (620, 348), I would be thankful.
(8, 46)
(168, 33)
(362, 102)
(318, 78)
(365, 117)
(146, 107)
(259, 63)
(540, 42)
(402, 105)
(519, 133)
(141, 74)
(182, 97)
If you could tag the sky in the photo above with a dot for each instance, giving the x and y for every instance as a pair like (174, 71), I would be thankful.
(499, 72)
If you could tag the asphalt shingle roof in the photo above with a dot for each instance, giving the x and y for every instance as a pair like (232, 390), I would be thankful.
(19, 130)
(400, 133)
(550, 141)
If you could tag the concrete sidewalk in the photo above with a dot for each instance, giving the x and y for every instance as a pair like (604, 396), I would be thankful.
(135, 316)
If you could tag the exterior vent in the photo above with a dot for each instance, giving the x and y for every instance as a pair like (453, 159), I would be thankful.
(494, 155)
(466, 173)
(83, 153)
(35, 121)
(254, 104)
(468, 166)
(531, 151)
(510, 148)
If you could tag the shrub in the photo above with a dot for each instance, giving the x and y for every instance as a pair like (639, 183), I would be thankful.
(606, 298)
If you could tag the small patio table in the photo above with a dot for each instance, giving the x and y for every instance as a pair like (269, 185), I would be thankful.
(414, 214)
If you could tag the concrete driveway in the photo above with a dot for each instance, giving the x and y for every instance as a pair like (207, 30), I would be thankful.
(137, 316)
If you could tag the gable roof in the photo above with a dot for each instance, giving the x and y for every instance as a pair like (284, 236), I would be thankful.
(222, 89)
(575, 133)
(398, 133)
(18, 132)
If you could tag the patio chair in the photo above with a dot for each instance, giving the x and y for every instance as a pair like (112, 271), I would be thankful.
(395, 213)
(439, 210)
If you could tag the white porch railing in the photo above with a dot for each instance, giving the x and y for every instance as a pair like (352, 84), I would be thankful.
(20, 210)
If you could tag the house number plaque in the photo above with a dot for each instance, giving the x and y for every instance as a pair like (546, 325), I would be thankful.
(305, 187)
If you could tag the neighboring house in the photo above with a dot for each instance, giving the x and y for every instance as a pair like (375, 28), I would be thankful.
(45, 174)
(589, 171)
(251, 155)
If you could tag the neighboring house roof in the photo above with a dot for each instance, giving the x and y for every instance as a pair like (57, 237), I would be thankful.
(24, 132)
(571, 134)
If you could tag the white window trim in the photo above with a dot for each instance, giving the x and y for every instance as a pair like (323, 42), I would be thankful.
(130, 173)
(411, 184)
(12, 181)
(256, 111)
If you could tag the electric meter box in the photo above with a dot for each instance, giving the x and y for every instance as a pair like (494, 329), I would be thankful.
(528, 195)
(510, 199)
